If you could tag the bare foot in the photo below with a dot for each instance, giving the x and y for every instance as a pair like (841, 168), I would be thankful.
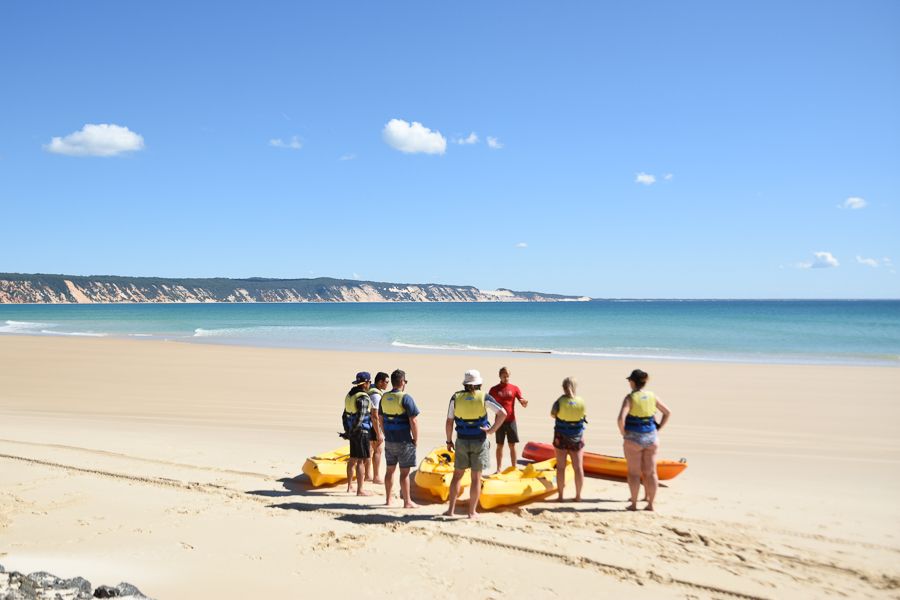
(365, 493)
(559, 499)
(474, 516)
(378, 481)
(348, 488)
(390, 502)
(577, 499)
(448, 512)
(368, 478)
(649, 507)
(410, 505)
(631, 507)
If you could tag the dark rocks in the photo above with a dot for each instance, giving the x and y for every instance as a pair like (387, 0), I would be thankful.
(46, 586)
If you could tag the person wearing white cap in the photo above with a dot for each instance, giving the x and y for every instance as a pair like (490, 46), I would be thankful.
(468, 411)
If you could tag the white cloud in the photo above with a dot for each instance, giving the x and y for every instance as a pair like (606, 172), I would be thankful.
(494, 143)
(822, 260)
(853, 203)
(348, 157)
(645, 178)
(521, 245)
(668, 176)
(471, 139)
(869, 262)
(97, 140)
(293, 144)
(413, 138)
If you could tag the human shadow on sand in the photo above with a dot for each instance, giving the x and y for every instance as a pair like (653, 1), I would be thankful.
(571, 509)
(384, 519)
(311, 507)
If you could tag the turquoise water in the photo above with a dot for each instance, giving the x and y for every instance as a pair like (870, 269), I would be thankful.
(821, 332)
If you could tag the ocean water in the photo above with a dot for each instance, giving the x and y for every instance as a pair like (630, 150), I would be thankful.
(817, 332)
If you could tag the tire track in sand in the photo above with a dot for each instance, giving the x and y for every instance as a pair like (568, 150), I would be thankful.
(142, 459)
(622, 573)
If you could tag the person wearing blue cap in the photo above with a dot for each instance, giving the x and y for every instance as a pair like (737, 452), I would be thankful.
(357, 420)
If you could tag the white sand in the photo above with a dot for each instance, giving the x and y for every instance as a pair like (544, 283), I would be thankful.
(169, 466)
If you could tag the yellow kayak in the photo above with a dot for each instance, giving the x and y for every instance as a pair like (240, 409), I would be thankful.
(520, 484)
(436, 471)
(328, 468)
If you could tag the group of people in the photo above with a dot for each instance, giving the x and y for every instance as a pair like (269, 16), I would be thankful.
(376, 419)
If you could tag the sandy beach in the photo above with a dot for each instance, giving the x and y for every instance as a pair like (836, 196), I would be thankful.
(176, 467)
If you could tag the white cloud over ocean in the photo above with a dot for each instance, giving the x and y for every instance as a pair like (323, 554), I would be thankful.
(494, 143)
(292, 144)
(102, 139)
(854, 203)
(821, 260)
(869, 262)
(413, 138)
(645, 178)
(472, 138)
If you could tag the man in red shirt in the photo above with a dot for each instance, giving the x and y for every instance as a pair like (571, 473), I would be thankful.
(506, 395)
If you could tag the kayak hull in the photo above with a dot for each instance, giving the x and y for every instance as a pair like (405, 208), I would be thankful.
(515, 485)
(601, 464)
(436, 471)
(328, 468)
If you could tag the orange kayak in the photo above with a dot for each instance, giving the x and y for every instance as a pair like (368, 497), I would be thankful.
(601, 464)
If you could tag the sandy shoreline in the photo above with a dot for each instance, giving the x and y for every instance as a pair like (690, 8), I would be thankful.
(170, 466)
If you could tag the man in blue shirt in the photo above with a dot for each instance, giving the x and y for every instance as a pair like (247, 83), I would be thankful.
(398, 412)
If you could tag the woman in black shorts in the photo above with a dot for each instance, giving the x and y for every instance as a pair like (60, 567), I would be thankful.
(568, 433)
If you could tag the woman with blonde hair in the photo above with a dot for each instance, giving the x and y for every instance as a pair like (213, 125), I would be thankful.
(640, 441)
(568, 433)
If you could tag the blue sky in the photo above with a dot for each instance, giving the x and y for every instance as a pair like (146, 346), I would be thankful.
(256, 144)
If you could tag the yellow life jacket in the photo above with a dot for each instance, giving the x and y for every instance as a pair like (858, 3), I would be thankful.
(392, 403)
(640, 416)
(643, 404)
(470, 414)
(394, 413)
(350, 402)
(571, 409)
(570, 416)
(350, 411)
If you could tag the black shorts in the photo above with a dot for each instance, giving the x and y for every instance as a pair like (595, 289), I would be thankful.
(564, 442)
(508, 431)
(359, 445)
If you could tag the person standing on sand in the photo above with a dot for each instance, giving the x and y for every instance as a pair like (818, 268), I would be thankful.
(357, 429)
(398, 412)
(506, 395)
(640, 440)
(568, 436)
(469, 412)
(373, 466)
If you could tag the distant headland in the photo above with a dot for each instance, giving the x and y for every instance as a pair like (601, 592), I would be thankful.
(25, 288)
